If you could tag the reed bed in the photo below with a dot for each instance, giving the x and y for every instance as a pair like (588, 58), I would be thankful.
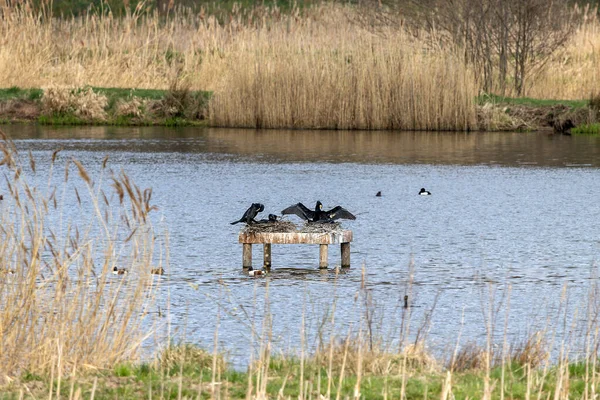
(62, 311)
(329, 77)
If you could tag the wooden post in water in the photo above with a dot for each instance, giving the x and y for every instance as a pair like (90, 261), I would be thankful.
(345, 247)
(323, 255)
(247, 255)
(267, 255)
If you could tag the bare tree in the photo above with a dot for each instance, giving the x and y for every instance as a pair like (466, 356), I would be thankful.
(505, 40)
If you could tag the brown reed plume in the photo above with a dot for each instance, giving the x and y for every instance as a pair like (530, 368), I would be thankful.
(62, 310)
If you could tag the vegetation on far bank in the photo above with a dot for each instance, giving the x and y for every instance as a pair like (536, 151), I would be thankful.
(107, 106)
(314, 65)
(180, 107)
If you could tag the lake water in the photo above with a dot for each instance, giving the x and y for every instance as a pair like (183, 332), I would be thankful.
(508, 210)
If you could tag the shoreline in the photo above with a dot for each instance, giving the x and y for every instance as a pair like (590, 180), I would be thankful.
(182, 107)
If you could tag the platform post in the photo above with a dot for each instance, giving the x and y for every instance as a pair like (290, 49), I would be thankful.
(247, 255)
(345, 247)
(323, 256)
(267, 255)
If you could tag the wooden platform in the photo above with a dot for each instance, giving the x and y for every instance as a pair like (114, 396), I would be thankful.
(324, 239)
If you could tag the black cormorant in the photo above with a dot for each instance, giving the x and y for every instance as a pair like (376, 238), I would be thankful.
(318, 215)
(272, 218)
(250, 214)
(424, 192)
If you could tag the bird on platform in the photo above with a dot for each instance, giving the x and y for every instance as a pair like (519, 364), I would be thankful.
(318, 215)
(250, 214)
(424, 192)
(255, 272)
(272, 218)
(119, 271)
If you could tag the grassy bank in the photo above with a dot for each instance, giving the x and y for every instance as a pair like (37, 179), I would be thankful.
(528, 114)
(107, 106)
(190, 372)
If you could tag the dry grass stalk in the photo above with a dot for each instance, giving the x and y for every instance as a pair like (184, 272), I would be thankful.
(62, 309)
(470, 357)
(187, 354)
(83, 103)
(533, 351)
(352, 355)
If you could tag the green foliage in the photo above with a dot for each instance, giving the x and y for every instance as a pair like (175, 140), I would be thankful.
(587, 129)
(123, 370)
(526, 101)
(65, 119)
(15, 93)
(162, 378)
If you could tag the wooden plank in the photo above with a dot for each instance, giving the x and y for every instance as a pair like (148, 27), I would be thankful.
(345, 247)
(247, 255)
(344, 236)
(323, 263)
(267, 255)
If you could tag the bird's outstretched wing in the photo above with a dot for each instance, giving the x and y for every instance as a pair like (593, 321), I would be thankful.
(340, 212)
(300, 210)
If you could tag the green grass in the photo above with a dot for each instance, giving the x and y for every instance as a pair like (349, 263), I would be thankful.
(15, 93)
(156, 380)
(587, 129)
(526, 101)
(150, 380)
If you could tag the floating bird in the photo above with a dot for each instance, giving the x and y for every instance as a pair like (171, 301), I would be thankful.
(378, 194)
(157, 271)
(119, 271)
(424, 192)
(250, 214)
(318, 215)
(255, 272)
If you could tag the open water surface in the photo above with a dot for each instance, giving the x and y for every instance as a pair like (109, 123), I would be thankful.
(512, 213)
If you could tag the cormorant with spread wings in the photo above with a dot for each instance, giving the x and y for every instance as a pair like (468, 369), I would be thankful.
(318, 215)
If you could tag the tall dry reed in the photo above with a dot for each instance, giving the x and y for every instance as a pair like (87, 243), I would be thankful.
(61, 308)
(341, 77)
